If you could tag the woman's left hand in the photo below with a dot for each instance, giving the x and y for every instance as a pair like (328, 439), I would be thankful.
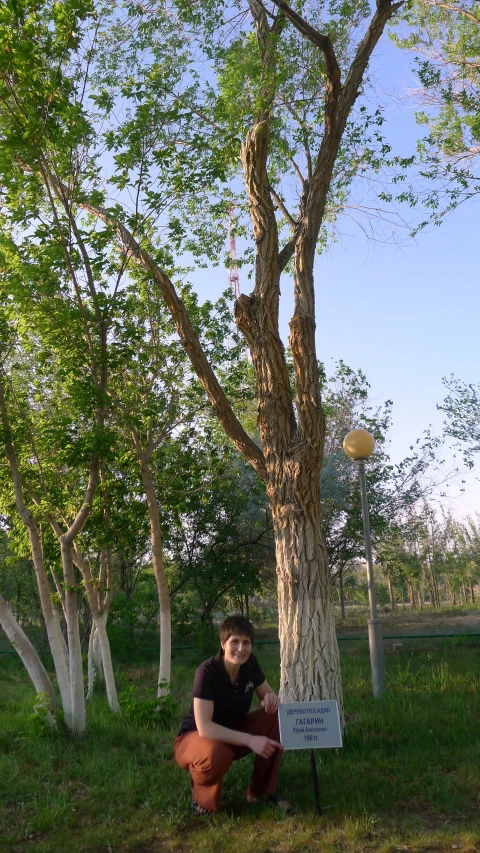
(270, 703)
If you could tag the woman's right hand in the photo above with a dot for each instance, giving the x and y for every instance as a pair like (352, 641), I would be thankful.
(263, 746)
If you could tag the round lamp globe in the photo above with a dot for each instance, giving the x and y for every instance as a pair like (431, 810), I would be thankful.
(359, 444)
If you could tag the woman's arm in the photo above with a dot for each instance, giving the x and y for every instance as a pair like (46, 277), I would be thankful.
(268, 697)
(203, 710)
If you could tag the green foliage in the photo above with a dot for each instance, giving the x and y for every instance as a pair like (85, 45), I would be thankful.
(445, 39)
(462, 409)
(393, 489)
(41, 721)
(147, 711)
(206, 639)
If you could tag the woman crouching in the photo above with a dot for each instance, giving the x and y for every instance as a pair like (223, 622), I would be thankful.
(220, 728)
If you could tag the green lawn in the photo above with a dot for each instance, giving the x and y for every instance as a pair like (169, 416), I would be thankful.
(406, 779)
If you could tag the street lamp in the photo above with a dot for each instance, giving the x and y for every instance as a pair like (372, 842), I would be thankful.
(359, 446)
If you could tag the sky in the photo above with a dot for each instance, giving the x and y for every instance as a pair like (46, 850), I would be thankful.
(406, 314)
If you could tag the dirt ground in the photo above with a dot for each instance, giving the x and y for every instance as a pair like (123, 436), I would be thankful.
(417, 623)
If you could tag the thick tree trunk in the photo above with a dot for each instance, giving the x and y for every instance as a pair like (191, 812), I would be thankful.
(292, 442)
(472, 593)
(25, 650)
(165, 618)
(310, 667)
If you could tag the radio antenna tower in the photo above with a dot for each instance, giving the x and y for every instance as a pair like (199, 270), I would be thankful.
(233, 277)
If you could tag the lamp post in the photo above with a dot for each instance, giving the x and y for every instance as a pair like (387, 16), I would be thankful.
(359, 446)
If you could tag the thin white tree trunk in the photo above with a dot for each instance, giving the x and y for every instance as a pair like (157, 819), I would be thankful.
(106, 660)
(27, 653)
(95, 664)
(77, 692)
(97, 653)
(91, 670)
(99, 636)
(165, 619)
(56, 640)
(52, 620)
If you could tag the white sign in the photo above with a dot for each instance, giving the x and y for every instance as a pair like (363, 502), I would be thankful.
(309, 725)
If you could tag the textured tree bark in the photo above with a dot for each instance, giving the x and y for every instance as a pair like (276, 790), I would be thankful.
(309, 657)
(292, 446)
(25, 650)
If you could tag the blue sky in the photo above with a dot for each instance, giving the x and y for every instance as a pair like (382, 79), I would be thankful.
(407, 316)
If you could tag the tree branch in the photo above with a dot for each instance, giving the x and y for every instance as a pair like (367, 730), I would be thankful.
(188, 338)
(383, 12)
(316, 38)
(278, 201)
(457, 9)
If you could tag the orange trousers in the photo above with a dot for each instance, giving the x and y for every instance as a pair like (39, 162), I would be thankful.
(208, 760)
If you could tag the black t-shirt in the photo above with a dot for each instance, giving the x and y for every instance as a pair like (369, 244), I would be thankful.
(231, 702)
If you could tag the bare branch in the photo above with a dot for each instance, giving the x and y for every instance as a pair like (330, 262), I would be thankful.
(281, 206)
(316, 38)
(384, 11)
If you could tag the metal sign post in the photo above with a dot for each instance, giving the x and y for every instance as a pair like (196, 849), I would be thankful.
(310, 725)
(316, 792)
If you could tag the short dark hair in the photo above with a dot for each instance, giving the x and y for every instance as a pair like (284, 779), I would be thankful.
(236, 624)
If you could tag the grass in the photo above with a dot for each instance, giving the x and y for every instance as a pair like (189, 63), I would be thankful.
(405, 780)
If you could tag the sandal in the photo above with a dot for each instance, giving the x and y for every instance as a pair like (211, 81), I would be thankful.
(275, 801)
(282, 805)
(199, 810)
